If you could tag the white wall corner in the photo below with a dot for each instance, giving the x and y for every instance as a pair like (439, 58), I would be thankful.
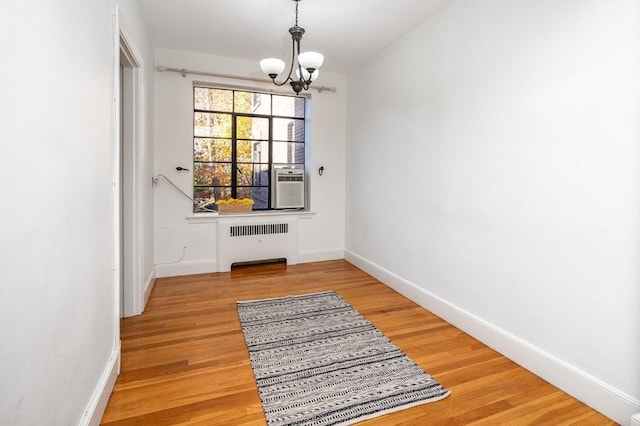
(148, 287)
(186, 268)
(600, 396)
(98, 402)
(320, 255)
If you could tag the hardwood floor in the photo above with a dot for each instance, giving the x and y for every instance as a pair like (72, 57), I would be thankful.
(184, 361)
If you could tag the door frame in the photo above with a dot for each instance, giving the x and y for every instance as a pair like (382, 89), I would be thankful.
(131, 296)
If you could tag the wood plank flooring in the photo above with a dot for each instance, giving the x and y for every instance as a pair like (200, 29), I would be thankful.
(184, 361)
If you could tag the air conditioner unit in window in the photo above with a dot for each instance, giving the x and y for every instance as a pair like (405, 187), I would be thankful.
(289, 188)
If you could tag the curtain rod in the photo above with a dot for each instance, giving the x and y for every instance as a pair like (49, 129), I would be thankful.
(184, 73)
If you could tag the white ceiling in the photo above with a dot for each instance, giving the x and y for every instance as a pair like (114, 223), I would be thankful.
(345, 31)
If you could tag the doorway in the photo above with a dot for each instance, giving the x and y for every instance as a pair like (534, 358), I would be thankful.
(130, 287)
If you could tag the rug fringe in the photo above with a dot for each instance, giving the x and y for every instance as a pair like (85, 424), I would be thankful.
(393, 410)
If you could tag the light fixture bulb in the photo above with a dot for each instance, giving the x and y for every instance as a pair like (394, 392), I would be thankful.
(272, 66)
(311, 60)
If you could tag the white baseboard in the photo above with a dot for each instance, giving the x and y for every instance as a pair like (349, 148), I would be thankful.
(635, 420)
(600, 396)
(320, 255)
(100, 398)
(148, 287)
(186, 268)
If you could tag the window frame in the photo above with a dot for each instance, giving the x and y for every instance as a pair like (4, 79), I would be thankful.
(235, 185)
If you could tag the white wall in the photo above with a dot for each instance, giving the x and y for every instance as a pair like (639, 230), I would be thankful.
(57, 284)
(59, 325)
(321, 237)
(494, 176)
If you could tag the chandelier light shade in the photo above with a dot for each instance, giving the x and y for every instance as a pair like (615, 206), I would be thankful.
(272, 66)
(310, 60)
(305, 74)
(306, 64)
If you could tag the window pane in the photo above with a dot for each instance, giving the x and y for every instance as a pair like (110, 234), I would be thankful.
(203, 199)
(212, 99)
(207, 149)
(288, 152)
(252, 152)
(288, 129)
(259, 195)
(288, 106)
(222, 193)
(253, 174)
(206, 124)
(253, 103)
(252, 128)
(216, 174)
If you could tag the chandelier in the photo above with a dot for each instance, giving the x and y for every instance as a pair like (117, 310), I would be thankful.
(306, 69)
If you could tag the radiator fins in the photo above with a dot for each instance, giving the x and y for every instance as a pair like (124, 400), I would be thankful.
(261, 229)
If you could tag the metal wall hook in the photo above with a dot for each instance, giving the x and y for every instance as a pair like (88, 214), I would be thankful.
(321, 170)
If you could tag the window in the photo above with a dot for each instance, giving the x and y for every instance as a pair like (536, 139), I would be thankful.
(238, 138)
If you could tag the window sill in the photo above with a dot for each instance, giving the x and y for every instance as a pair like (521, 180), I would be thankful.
(215, 217)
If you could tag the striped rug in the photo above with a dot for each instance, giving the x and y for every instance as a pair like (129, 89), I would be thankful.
(317, 361)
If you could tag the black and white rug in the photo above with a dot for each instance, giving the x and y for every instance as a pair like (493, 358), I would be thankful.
(317, 361)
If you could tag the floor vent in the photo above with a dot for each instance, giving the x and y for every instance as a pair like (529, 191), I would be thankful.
(262, 229)
(258, 263)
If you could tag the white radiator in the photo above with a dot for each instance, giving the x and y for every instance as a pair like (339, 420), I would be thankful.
(255, 240)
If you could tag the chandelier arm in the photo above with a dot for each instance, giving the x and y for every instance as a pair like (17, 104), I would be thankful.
(305, 83)
(298, 84)
(300, 77)
(294, 43)
(293, 55)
